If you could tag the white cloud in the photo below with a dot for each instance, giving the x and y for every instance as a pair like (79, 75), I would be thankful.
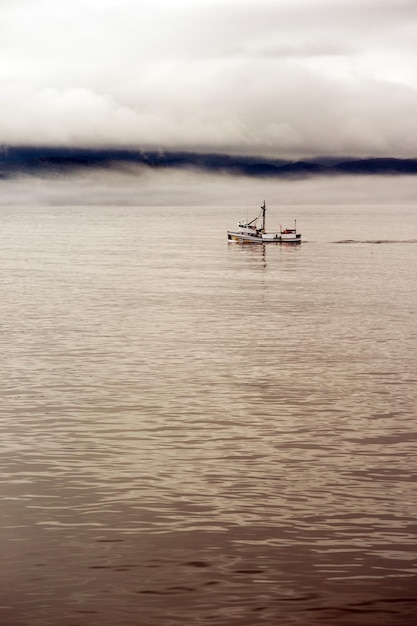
(289, 78)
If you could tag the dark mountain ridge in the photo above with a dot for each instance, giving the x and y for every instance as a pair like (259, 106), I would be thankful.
(59, 160)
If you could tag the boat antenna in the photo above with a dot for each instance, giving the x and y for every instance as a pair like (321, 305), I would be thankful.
(263, 207)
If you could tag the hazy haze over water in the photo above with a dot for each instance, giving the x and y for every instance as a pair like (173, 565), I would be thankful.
(136, 185)
(196, 432)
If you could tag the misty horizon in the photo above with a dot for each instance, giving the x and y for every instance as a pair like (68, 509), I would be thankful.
(208, 101)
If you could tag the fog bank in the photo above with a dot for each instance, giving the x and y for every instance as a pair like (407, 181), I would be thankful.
(140, 186)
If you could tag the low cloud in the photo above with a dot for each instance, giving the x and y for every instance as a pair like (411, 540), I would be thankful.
(136, 185)
(292, 79)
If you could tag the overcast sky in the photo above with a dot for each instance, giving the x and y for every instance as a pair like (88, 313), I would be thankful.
(282, 78)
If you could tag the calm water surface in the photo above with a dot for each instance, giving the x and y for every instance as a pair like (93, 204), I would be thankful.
(197, 432)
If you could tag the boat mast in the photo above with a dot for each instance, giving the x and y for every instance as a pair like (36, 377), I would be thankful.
(263, 207)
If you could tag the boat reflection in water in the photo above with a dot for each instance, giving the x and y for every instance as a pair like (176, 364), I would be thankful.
(250, 232)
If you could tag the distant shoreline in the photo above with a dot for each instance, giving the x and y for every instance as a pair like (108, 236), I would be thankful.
(37, 160)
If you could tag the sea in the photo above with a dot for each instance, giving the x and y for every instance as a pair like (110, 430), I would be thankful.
(196, 432)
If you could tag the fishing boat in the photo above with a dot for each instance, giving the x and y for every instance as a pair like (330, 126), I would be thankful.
(253, 232)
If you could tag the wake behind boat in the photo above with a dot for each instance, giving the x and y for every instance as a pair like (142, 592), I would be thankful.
(250, 232)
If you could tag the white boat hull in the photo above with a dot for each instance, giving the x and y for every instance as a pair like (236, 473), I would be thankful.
(262, 237)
